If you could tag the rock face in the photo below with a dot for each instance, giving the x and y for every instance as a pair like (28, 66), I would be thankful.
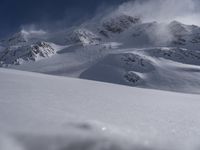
(19, 55)
(122, 68)
(83, 37)
(176, 54)
(184, 35)
(120, 23)
(132, 78)
(135, 62)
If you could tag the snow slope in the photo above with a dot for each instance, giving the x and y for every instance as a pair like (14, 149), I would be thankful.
(166, 68)
(57, 113)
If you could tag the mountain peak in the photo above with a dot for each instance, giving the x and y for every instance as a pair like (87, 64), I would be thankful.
(84, 36)
(17, 38)
(117, 24)
(25, 53)
(178, 28)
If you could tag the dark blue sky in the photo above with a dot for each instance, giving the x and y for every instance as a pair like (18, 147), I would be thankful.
(15, 13)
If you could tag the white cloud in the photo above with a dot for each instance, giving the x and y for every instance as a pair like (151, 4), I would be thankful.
(163, 10)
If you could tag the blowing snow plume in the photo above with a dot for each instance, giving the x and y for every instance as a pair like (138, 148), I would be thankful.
(184, 11)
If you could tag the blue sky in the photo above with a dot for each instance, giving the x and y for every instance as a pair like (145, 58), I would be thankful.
(56, 14)
(15, 13)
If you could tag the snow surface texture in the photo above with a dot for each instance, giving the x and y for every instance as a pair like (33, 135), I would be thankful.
(45, 113)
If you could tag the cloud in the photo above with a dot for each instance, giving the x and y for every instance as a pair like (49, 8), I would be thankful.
(185, 11)
(32, 29)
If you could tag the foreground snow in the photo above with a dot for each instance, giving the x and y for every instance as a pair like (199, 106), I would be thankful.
(41, 112)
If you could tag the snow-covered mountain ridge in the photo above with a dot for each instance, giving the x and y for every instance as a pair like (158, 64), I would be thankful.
(16, 55)
(119, 49)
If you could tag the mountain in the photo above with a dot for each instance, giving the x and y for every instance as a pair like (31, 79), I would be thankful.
(17, 38)
(118, 49)
(18, 55)
(185, 35)
(147, 97)
(24, 37)
(158, 68)
(117, 24)
(83, 36)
